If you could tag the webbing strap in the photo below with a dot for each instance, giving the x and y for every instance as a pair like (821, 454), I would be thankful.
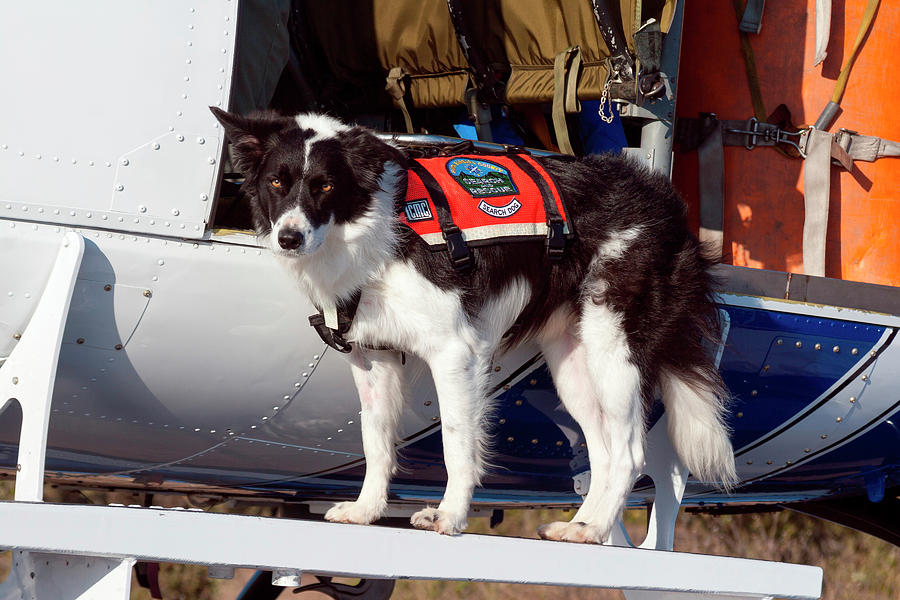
(457, 248)
(751, 22)
(759, 108)
(565, 98)
(823, 29)
(396, 87)
(556, 238)
(712, 187)
(866, 147)
(816, 194)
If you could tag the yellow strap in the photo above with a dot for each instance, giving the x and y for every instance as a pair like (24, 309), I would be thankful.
(868, 18)
(396, 87)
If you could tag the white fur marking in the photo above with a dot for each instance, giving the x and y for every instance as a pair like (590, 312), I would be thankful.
(323, 126)
(617, 244)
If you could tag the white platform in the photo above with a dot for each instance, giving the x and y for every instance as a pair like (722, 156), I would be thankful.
(182, 536)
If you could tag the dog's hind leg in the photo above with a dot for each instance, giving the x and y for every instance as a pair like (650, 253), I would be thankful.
(600, 387)
(459, 375)
(378, 375)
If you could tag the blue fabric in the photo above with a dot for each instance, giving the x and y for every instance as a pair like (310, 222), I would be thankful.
(596, 135)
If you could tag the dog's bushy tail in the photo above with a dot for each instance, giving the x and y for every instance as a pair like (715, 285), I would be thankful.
(692, 389)
(695, 408)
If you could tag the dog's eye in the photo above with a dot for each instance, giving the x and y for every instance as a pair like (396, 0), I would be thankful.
(327, 187)
(276, 183)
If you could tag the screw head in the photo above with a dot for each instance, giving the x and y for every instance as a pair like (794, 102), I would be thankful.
(779, 342)
(125, 162)
(836, 349)
(147, 293)
(118, 346)
(107, 287)
(15, 380)
(17, 336)
(818, 346)
(854, 351)
(79, 341)
(799, 344)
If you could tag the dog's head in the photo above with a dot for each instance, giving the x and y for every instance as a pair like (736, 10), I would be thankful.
(305, 175)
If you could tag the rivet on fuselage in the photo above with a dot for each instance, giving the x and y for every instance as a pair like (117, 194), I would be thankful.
(754, 393)
(518, 403)
(865, 377)
(107, 287)
(79, 341)
(799, 344)
(818, 346)
(836, 349)
(779, 342)
(854, 351)
(17, 336)
(768, 462)
(852, 399)
(839, 419)
(118, 346)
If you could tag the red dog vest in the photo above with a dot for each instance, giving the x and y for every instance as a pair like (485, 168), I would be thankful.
(465, 200)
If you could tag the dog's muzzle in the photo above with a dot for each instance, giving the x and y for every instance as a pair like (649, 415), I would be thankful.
(290, 239)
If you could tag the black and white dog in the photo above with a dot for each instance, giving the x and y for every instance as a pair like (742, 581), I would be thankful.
(619, 319)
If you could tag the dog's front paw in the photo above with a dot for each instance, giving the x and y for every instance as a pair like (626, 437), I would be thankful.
(562, 531)
(440, 521)
(353, 512)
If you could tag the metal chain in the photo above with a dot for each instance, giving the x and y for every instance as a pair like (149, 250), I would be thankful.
(604, 99)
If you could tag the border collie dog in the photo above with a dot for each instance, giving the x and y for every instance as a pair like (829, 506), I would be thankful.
(619, 319)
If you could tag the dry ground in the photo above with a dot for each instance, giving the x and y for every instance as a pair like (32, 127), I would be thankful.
(856, 565)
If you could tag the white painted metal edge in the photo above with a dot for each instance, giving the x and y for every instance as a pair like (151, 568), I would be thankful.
(380, 552)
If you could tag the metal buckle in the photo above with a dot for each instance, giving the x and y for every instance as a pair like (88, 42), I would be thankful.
(771, 135)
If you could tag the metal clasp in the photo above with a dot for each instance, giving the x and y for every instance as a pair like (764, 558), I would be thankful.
(770, 135)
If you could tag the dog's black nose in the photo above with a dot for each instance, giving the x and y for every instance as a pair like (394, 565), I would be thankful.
(290, 239)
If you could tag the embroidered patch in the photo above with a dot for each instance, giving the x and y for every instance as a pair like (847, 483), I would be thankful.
(417, 210)
(500, 211)
(481, 178)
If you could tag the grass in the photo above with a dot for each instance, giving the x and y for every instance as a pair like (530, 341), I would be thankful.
(856, 565)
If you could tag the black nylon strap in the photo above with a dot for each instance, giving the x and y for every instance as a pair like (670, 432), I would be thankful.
(346, 311)
(456, 245)
(556, 238)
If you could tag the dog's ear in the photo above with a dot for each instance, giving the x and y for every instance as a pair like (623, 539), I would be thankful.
(367, 155)
(250, 136)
